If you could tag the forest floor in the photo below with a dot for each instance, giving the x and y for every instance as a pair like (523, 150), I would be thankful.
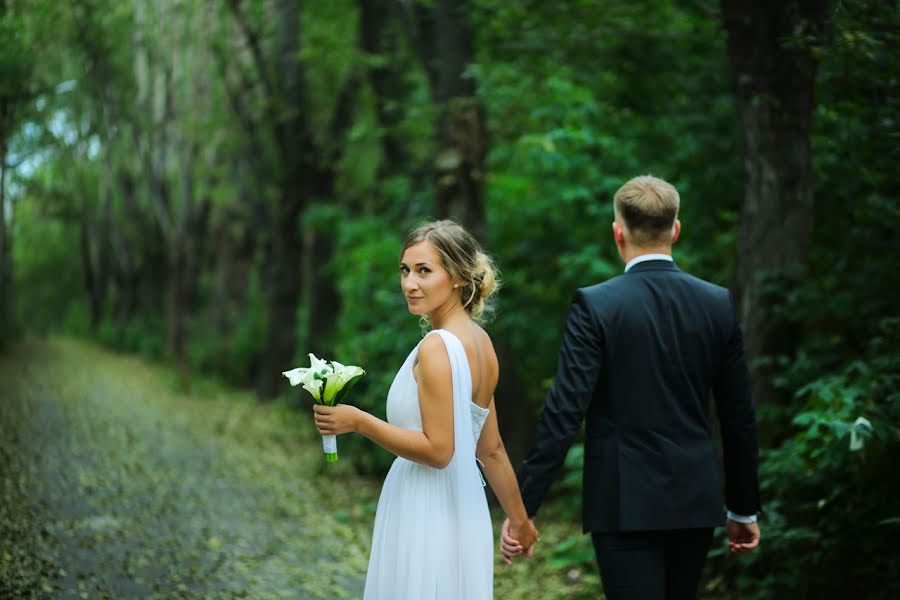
(114, 485)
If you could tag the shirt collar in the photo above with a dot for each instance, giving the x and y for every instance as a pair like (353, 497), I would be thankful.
(646, 257)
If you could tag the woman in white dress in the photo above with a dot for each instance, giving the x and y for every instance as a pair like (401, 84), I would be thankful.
(433, 538)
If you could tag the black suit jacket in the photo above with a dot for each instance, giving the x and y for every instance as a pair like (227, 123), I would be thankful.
(640, 355)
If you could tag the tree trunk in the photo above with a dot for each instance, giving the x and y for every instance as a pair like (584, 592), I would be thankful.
(388, 80)
(6, 309)
(770, 46)
(188, 237)
(283, 275)
(307, 176)
(221, 300)
(459, 163)
(176, 336)
(95, 295)
(323, 297)
(233, 253)
(126, 276)
(459, 175)
(285, 258)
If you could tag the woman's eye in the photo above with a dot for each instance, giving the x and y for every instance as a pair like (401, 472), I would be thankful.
(404, 270)
(424, 270)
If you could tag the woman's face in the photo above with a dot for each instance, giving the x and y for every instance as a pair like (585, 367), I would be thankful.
(424, 281)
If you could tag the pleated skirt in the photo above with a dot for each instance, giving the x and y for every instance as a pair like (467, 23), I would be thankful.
(431, 541)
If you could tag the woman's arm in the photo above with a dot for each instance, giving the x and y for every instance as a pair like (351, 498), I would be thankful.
(433, 446)
(500, 475)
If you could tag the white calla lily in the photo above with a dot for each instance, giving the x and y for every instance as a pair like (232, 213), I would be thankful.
(348, 373)
(316, 364)
(327, 383)
(295, 375)
(332, 387)
(314, 387)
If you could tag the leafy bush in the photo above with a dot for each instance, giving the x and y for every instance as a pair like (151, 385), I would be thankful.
(830, 511)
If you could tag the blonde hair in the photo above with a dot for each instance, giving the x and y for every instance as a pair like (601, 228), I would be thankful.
(465, 261)
(648, 206)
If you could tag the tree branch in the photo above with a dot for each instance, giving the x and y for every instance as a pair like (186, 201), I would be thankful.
(252, 39)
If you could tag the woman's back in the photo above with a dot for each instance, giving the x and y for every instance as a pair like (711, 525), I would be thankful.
(482, 360)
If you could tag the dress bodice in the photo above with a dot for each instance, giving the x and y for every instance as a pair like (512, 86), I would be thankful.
(479, 416)
(403, 398)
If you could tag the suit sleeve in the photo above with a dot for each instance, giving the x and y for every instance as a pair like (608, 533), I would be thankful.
(731, 390)
(578, 370)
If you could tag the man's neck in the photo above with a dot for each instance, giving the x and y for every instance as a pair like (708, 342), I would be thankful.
(631, 253)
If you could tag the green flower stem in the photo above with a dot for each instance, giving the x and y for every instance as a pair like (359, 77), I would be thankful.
(331, 457)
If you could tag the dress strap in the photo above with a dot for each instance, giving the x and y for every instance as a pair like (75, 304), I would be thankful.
(469, 516)
(462, 399)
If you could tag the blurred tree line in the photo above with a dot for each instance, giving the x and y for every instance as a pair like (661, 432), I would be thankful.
(227, 183)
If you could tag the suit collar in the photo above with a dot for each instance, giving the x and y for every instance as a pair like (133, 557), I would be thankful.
(653, 265)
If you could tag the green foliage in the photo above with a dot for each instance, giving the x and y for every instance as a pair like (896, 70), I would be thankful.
(572, 126)
(830, 511)
(828, 479)
(577, 100)
(230, 352)
(375, 331)
(47, 266)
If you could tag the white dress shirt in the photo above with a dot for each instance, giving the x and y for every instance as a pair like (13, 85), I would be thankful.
(644, 257)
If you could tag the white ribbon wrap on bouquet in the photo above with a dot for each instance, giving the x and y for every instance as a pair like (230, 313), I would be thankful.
(329, 444)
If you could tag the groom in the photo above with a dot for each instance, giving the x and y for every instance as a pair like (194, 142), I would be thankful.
(640, 356)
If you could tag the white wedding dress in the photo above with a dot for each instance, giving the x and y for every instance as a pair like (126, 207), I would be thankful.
(433, 538)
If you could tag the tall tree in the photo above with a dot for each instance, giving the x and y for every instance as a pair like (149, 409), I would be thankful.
(446, 44)
(445, 41)
(25, 27)
(303, 169)
(100, 105)
(383, 51)
(15, 75)
(772, 49)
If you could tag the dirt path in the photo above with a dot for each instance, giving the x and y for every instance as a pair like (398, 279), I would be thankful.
(114, 486)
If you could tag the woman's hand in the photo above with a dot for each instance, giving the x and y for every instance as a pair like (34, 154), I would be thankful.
(335, 420)
(516, 538)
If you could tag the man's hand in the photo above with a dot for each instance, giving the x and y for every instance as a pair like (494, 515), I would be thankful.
(517, 538)
(742, 537)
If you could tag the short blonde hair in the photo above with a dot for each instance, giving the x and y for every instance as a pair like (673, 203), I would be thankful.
(648, 207)
(462, 256)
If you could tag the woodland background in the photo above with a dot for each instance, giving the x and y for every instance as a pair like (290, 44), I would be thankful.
(224, 185)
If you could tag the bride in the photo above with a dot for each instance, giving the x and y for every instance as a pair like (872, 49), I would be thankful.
(433, 538)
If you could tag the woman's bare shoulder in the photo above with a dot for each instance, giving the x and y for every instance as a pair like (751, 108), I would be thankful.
(433, 351)
(432, 359)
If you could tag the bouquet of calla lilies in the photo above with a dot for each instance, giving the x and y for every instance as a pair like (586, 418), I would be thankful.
(328, 382)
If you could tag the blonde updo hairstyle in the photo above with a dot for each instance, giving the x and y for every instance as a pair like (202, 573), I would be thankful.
(465, 261)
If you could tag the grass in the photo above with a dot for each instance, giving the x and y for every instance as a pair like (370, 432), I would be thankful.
(114, 484)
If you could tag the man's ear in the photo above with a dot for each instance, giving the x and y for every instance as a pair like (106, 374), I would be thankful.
(618, 233)
(676, 231)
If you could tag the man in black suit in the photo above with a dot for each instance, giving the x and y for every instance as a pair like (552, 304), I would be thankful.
(640, 356)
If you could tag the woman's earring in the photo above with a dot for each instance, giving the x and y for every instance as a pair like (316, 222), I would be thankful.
(456, 285)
